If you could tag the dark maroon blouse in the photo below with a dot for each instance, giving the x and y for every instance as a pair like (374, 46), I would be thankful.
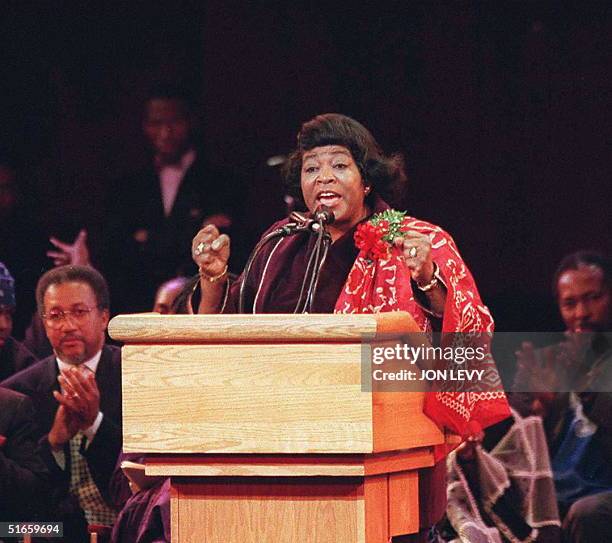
(277, 274)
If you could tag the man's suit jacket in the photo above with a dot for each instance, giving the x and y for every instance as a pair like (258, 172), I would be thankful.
(144, 247)
(23, 476)
(38, 382)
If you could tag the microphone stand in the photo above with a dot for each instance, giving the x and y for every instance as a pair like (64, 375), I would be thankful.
(313, 269)
(299, 225)
(279, 232)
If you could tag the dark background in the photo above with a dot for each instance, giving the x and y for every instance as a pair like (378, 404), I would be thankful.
(502, 110)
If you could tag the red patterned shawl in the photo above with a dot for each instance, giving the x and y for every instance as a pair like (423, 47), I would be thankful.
(377, 284)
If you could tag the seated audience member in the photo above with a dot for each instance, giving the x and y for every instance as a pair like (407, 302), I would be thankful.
(13, 355)
(154, 212)
(183, 304)
(145, 517)
(570, 386)
(77, 399)
(23, 476)
(76, 254)
(167, 294)
(500, 487)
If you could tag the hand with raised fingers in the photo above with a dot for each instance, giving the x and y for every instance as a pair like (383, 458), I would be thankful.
(75, 253)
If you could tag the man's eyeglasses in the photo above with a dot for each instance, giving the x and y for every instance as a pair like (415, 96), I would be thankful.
(56, 317)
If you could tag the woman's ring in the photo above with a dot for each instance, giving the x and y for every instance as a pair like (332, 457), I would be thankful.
(412, 252)
(199, 248)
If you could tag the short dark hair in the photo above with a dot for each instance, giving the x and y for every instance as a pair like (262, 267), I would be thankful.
(575, 260)
(166, 90)
(385, 174)
(69, 274)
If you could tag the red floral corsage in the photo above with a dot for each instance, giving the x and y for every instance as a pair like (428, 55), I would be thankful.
(374, 238)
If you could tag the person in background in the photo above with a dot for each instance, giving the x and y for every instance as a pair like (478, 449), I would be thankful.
(155, 212)
(62, 254)
(24, 477)
(167, 294)
(77, 400)
(14, 356)
(569, 385)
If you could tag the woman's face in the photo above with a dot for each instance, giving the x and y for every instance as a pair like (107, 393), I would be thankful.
(330, 177)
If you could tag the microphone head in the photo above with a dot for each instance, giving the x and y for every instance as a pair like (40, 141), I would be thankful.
(324, 214)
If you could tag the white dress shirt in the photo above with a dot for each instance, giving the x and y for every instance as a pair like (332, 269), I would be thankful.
(170, 177)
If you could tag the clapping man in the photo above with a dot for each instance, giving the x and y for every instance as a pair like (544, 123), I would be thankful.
(77, 398)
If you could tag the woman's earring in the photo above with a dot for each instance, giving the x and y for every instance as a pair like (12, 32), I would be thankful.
(366, 190)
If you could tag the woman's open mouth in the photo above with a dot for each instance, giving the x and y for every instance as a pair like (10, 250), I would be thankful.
(328, 198)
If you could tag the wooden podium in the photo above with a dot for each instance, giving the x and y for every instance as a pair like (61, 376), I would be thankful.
(263, 427)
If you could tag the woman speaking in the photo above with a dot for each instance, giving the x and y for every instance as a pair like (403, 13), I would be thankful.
(376, 259)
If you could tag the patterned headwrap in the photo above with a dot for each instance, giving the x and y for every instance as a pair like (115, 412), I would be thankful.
(7, 287)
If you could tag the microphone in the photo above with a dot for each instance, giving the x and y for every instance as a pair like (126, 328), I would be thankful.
(324, 215)
(299, 222)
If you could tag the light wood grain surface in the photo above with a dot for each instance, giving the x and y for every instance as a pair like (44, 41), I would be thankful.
(269, 511)
(263, 398)
(403, 503)
(155, 328)
(275, 387)
(376, 502)
(245, 398)
(276, 465)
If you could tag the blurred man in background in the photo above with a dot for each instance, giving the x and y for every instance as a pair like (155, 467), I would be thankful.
(155, 212)
(569, 384)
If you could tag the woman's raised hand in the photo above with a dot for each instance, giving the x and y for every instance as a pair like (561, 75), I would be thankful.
(416, 250)
(210, 251)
